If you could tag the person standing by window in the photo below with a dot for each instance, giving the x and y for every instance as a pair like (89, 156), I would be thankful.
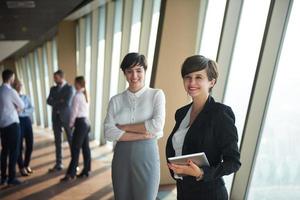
(80, 139)
(203, 126)
(10, 105)
(26, 131)
(60, 98)
(135, 120)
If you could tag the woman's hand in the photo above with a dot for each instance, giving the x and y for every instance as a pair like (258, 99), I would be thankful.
(191, 169)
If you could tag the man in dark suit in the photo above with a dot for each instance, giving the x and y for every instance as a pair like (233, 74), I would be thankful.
(60, 98)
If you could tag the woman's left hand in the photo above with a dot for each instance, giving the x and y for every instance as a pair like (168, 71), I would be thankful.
(191, 169)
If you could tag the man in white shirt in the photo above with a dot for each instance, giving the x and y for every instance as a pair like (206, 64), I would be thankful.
(10, 105)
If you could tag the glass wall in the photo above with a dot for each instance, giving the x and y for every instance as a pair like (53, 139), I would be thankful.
(102, 38)
(243, 61)
(33, 70)
(245, 58)
(116, 36)
(277, 168)
(212, 28)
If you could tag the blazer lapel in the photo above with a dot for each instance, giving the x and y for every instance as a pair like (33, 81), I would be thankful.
(195, 128)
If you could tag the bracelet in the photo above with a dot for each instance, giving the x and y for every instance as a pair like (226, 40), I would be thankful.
(199, 178)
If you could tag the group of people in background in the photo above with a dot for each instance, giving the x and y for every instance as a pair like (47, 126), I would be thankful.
(15, 127)
(69, 112)
(134, 122)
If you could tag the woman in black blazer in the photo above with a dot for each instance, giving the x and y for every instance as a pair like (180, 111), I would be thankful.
(203, 126)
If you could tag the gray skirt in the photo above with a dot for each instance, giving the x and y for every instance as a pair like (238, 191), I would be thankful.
(136, 170)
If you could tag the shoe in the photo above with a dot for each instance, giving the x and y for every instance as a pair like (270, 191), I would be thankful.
(23, 172)
(77, 169)
(29, 170)
(3, 181)
(67, 178)
(56, 168)
(14, 182)
(83, 175)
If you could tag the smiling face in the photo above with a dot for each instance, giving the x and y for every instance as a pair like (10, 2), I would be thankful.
(135, 77)
(197, 83)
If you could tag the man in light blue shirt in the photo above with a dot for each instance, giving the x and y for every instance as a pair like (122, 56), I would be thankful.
(10, 105)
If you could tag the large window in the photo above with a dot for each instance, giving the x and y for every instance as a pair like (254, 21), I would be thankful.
(212, 28)
(244, 62)
(245, 57)
(152, 39)
(136, 25)
(277, 167)
(116, 48)
(88, 49)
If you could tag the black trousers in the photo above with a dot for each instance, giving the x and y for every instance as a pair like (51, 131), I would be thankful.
(10, 140)
(57, 125)
(27, 135)
(80, 140)
(190, 189)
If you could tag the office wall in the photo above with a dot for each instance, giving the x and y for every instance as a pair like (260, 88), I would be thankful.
(66, 49)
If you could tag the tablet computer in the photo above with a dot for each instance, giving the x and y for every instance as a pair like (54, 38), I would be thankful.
(198, 158)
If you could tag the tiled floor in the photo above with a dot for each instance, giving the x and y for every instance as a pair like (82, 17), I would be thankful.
(42, 185)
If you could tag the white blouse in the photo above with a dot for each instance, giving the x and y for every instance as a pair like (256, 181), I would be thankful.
(80, 108)
(147, 105)
(179, 135)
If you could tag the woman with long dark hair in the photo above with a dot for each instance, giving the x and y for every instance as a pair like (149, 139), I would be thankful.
(80, 140)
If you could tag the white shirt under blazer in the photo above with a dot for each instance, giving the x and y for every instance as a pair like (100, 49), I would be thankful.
(147, 105)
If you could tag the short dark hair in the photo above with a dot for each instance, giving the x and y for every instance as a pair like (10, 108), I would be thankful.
(7, 74)
(197, 63)
(133, 59)
(59, 73)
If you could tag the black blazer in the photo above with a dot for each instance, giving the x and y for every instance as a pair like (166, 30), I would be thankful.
(213, 132)
(55, 98)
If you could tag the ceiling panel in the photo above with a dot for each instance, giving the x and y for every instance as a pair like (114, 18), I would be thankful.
(31, 23)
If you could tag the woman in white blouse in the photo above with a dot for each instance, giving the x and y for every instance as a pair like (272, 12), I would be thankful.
(135, 120)
(80, 139)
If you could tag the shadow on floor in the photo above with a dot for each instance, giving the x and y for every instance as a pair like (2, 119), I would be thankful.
(60, 187)
(101, 193)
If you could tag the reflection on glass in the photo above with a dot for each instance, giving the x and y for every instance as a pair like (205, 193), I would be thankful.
(212, 28)
(277, 169)
(244, 62)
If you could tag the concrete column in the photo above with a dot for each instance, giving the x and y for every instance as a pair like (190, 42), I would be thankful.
(66, 49)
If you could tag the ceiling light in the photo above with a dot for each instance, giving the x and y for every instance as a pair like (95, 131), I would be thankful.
(20, 4)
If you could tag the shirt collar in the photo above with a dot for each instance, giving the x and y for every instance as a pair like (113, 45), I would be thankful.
(7, 85)
(138, 93)
(81, 90)
(63, 83)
